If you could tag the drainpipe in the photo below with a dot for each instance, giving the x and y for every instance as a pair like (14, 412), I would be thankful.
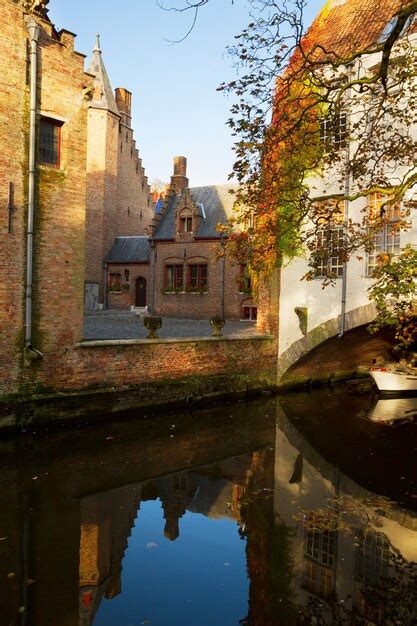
(30, 353)
(153, 258)
(223, 245)
(342, 327)
(105, 294)
(345, 268)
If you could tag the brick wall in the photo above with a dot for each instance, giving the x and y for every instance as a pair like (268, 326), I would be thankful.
(118, 193)
(134, 206)
(198, 305)
(126, 298)
(104, 377)
(103, 129)
(14, 119)
(60, 198)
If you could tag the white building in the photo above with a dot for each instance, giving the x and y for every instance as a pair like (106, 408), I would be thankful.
(308, 313)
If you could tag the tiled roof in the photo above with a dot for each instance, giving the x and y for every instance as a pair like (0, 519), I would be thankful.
(215, 205)
(343, 26)
(129, 250)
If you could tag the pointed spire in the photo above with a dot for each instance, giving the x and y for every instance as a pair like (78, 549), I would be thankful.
(97, 46)
(101, 83)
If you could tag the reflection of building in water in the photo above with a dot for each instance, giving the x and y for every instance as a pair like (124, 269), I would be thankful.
(216, 491)
(343, 537)
(106, 523)
(221, 490)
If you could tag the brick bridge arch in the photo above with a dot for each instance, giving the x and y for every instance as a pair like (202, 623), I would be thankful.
(355, 318)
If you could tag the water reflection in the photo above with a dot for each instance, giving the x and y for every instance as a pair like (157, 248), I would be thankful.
(394, 411)
(347, 545)
(271, 513)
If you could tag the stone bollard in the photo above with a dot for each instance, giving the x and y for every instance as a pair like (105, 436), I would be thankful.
(217, 323)
(152, 324)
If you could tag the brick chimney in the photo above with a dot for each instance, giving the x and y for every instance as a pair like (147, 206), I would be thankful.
(179, 180)
(124, 104)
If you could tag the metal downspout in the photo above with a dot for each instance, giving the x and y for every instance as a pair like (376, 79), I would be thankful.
(30, 353)
(342, 327)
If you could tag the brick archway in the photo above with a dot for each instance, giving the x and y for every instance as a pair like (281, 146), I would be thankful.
(357, 317)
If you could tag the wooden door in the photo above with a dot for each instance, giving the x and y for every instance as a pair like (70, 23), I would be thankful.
(140, 299)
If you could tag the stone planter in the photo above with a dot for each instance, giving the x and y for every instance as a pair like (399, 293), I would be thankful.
(217, 323)
(152, 324)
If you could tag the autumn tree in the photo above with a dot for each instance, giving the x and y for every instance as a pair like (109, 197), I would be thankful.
(325, 118)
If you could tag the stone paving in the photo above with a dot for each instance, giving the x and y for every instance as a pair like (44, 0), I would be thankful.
(128, 325)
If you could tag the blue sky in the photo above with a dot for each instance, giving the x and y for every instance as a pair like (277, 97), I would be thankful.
(176, 108)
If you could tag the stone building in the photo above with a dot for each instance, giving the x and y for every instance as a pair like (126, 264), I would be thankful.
(184, 270)
(118, 193)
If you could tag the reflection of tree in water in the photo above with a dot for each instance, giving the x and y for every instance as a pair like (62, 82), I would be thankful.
(389, 601)
(385, 583)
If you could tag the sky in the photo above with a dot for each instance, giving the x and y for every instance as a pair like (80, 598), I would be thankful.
(175, 106)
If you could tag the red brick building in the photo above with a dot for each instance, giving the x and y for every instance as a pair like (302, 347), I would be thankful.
(43, 136)
(183, 269)
(118, 202)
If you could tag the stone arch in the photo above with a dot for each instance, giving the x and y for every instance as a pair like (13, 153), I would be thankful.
(354, 318)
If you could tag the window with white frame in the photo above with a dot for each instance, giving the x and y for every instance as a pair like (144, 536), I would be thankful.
(320, 553)
(372, 556)
(330, 236)
(334, 131)
(388, 238)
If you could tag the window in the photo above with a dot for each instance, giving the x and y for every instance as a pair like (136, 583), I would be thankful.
(50, 142)
(186, 224)
(318, 566)
(372, 555)
(334, 131)
(329, 256)
(249, 312)
(174, 277)
(197, 277)
(318, 579)
(320, 546)
(388, 238)
(115, 281)
(244, 280)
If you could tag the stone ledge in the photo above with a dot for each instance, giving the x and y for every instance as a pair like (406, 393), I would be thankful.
(103, 343)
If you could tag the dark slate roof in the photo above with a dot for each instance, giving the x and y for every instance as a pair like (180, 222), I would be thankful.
(129, 250)
(215, 205)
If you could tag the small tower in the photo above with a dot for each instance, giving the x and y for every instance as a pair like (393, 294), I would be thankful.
(102, 172)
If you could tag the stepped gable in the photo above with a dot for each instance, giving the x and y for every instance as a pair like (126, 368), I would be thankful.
(129, 250)
(103, 92)
(214, 204)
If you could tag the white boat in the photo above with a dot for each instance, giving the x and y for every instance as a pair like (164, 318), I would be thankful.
(394, 411)
(391, 379)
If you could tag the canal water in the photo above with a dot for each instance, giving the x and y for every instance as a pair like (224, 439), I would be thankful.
(296, 510)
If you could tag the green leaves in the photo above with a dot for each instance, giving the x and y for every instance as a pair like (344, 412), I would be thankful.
(395, 295)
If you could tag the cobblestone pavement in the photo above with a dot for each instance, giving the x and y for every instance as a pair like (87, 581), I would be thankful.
(127, 325)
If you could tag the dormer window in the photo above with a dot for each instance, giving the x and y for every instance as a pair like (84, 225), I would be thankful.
(186, 224)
